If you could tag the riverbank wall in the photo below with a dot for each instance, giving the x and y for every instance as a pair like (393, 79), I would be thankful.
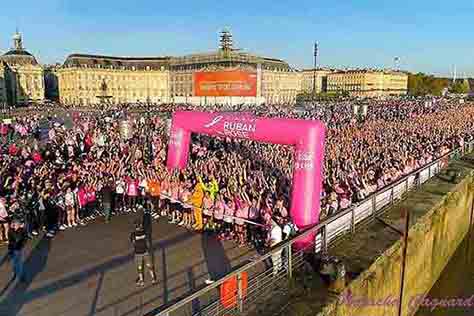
(440, 217)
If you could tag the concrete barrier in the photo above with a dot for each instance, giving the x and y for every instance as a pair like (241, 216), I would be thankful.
(441, 217)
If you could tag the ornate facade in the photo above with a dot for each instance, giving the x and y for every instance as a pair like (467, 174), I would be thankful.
(308, 77)
(90, 79)
(280, 85)
(369, 83)
(24, 77)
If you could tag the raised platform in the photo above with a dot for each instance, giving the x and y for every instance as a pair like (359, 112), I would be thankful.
(91, 270)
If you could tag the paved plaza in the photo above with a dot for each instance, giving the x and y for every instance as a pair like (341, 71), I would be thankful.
(91, 271)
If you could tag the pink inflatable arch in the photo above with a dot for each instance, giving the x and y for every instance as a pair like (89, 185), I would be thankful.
(306, 136)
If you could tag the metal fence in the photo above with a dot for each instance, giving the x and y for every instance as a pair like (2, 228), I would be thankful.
(257, 280)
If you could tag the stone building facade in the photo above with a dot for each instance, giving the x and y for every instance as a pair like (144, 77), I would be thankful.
(3, 88)
(277, 82)
(308, 77)
(51, 82)
(23, 75)
(369, 83)
(91, 79)
(280, 83)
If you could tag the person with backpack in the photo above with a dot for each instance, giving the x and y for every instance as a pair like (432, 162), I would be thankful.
(142, 247)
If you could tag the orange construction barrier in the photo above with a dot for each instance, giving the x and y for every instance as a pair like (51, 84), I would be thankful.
(229, 290)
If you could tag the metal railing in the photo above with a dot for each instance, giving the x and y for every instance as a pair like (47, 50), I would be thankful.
(272, 270)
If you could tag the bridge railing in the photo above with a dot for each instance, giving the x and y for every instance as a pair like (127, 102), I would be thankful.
(245, 288)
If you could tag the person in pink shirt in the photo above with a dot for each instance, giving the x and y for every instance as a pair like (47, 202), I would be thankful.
(132, 192)
(13, 150)
(82, 201)
(266, 213)
(37, 157)
(22, 130)
(91, 200)
(241, 213)
(219, 207)
(229, 213)
(186, 207)
(254, 214)
(3, 129)
(207, 209)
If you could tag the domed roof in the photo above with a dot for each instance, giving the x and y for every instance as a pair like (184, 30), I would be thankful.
(18, 55)
(17, 52)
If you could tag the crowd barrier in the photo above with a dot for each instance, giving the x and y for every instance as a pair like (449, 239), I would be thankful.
(249, 286)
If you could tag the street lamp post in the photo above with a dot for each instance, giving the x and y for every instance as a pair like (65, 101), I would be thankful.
(315, 66)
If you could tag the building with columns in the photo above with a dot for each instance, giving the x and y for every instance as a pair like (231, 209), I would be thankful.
(280, 83)
(90, 79)
(369, 83)
(310, 76)
(23, 75)
(225, 76)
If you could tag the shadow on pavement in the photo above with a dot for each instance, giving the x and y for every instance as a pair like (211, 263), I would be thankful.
(35, 263)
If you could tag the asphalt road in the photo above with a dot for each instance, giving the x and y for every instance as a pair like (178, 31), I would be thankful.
(90, 270)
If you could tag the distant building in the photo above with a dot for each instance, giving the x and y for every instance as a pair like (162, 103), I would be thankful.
(369, 83)
(308, 77)
(90, 79)
(3, 88)
(23, 76)
(51, 82)
(225, 76)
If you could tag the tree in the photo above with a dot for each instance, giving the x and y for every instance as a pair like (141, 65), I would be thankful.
(460, 87)
(420, 84)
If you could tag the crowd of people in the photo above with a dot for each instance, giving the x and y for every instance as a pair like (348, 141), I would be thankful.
(62, 168)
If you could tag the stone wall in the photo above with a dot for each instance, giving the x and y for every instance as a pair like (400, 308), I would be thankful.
(441, 214)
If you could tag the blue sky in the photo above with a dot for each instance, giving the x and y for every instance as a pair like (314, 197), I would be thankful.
(427, 35)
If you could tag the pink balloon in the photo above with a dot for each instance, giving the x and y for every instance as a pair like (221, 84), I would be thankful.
(306, 136)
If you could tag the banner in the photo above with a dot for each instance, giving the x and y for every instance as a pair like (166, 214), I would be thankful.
(225, 84)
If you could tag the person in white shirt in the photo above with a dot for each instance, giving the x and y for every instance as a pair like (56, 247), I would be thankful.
(276, 236)
(289, 230)
(69, 202)
(119, 198)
